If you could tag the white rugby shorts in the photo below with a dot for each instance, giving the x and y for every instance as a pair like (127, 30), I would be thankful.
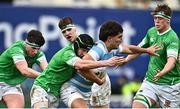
(166, 95)
(6, 89)
(69, 93)
(101, 93)
(38, 94)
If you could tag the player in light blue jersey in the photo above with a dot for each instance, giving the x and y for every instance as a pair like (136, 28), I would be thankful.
(79, 88)
(109, 45)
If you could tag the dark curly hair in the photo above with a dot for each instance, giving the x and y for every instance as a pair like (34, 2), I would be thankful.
(109, 28)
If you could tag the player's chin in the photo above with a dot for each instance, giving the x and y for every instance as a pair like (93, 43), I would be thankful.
(158, 27)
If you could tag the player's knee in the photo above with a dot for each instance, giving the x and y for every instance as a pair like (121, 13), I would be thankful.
(43, 108)
(79, 103)
(41, 105)
(72, 100)
(141, 100)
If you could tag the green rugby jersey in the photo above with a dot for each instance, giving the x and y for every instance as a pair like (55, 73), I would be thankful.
(169, 44)
(60, 69)
(8, 71)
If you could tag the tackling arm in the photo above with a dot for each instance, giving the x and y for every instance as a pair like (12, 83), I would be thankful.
(88, 74)
(90, 64)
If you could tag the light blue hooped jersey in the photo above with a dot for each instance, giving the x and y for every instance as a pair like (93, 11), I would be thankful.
(97, 52)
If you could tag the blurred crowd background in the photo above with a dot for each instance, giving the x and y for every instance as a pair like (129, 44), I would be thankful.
(126, 80)
(130, 4)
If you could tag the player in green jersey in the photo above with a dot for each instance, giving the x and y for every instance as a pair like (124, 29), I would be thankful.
(162, 80)
(61, 67)
(16, 65)
(179, 55)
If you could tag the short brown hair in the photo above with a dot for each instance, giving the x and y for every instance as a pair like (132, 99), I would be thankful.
(65, 21)
(162, 8)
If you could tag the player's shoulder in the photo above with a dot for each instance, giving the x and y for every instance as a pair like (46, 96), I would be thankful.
(172, 33)
(100, 46)
(171, 36)
(18, 43)
(68, 51)
(67, 48)
(17, 47)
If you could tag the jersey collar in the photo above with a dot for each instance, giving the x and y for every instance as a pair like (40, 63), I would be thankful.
(164, 32)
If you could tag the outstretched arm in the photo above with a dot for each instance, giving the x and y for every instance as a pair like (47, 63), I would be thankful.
(131, 49)
(129, 58)
(90, 75)
(90, 64)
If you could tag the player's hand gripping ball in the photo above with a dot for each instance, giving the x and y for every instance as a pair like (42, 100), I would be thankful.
(100, 72)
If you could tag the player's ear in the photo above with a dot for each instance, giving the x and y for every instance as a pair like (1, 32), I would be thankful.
(109, 38)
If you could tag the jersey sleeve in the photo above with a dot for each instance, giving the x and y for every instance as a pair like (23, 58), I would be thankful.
(145, 41)
(173, 47)
(95, 52)
(120, 49)
(17, 54)
(70, 57)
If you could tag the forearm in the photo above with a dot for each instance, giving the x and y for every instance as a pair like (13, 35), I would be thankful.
(30, 73)
(169, 65)
(25, 70)
(43, 65)
(91, 76)
(131, 57)
(131, 49)
(90, 64)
